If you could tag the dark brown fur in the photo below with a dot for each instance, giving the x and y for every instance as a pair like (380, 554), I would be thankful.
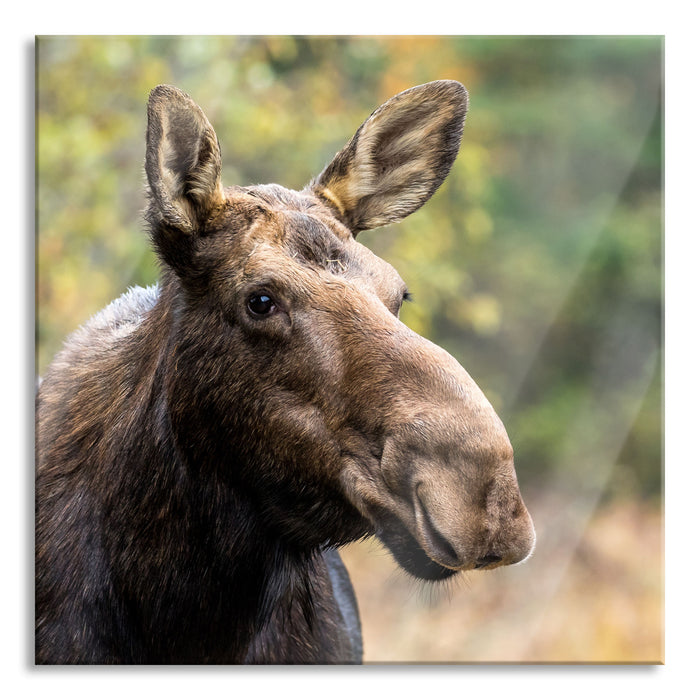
(198, 462)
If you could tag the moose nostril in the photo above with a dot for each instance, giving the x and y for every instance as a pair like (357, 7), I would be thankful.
(437, 542)
(486, 560)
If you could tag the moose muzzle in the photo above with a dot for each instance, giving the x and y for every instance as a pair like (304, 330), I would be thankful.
(445, 496)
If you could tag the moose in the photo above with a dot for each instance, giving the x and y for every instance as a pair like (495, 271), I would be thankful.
(204, 446)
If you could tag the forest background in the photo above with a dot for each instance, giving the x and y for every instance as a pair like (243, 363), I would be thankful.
(538, 265)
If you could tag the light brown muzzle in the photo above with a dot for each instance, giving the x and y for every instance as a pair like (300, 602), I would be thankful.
(444, 496)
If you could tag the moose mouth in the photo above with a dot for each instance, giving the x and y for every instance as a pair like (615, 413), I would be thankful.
(407, 552)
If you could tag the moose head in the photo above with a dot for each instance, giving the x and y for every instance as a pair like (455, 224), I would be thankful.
(288, 372)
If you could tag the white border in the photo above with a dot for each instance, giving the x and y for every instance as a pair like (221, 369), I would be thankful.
(672, 19)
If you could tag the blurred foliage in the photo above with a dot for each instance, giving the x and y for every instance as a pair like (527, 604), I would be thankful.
(594, 598)
(537, 264)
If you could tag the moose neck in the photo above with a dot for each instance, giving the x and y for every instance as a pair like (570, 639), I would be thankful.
(220, 575)
(196, 531)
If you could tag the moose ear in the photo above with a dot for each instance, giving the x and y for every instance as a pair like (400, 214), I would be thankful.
(398, 157)
(183, 162)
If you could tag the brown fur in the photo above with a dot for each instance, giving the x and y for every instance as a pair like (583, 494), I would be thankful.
(203, 446)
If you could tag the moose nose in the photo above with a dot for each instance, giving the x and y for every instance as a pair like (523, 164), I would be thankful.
(440, 548)
(469, 536)
(434, 542)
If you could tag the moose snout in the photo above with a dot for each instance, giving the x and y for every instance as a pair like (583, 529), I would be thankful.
(444, 496)
(460, 530)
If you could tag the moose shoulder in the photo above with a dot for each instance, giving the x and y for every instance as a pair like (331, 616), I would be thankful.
(205, 446)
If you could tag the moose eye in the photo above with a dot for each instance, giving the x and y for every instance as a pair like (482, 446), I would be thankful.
(261, 304)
